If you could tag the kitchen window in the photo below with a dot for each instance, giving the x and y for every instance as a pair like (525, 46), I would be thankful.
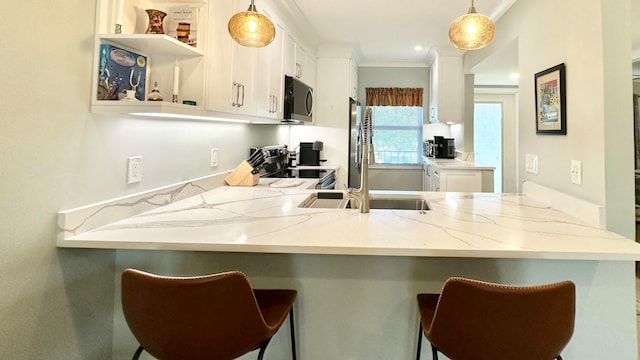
(397, 125)
(397, 134)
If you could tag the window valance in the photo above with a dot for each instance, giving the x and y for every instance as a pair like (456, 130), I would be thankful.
(394, 96)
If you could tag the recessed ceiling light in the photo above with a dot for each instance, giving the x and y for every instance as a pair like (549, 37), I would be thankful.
(417, 48)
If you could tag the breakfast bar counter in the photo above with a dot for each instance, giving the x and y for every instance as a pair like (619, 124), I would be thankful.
(357, 274)
(266, 219)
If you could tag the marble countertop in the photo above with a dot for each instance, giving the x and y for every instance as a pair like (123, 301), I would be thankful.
(266, 219)
(458, 164)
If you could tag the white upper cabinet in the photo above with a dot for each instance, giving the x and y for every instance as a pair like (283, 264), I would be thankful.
(244, 80)
(446, 90)
(231, 67)
(213, 71)
(243, 76)
(299, 62)
(270, 74)
(219, 61)
(134, 60)
(289, 54)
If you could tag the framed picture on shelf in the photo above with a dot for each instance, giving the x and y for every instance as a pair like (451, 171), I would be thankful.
(120, 70)
(551, 101)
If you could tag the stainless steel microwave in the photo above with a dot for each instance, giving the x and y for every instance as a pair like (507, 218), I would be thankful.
(298, 100)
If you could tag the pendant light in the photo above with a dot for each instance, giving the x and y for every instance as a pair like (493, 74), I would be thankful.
(471, 31)
(252, 29)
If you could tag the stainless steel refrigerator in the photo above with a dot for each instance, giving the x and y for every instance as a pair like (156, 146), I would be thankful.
(355, 144)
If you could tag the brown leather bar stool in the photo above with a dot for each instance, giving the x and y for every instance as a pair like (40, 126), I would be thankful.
(476, 320)
(211, 317)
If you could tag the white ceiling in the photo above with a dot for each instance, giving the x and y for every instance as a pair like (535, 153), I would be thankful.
(386, 31)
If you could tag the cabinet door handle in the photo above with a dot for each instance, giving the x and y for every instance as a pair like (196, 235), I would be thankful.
(272, 103)
(298, 70)
(237, 88)
(242, 102)
(275, 103)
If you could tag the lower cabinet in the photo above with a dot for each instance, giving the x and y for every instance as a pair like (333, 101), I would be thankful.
(434, 179)
(461, 180)
(471, 179)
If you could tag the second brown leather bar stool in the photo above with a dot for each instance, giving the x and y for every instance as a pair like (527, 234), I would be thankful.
(211, 317)
(476, 320)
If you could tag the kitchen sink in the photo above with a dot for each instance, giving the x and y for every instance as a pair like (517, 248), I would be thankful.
(326, 200)
(399, 204)
(339, 200)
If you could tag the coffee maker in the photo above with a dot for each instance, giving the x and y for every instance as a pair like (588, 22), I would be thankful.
(310, 153)
(444, 148)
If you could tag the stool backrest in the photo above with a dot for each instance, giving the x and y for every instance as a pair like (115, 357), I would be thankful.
(211, 317)
(477, 320)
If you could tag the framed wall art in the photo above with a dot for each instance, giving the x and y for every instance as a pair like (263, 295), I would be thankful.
(551, 109)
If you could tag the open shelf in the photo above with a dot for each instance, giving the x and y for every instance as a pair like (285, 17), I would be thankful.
(130, 107)
(156, 44)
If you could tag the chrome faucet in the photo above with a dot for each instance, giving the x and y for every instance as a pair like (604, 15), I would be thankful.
(362, 194)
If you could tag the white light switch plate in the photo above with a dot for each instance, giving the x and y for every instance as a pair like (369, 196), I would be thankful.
(214, 157)
(531, 163)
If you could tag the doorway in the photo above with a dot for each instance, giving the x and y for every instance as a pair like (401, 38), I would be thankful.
(487, 138)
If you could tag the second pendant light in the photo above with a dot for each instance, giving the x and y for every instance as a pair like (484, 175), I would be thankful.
(250, 28)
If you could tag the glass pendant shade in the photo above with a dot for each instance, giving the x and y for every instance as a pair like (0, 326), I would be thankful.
(252, 29)
(471, 31)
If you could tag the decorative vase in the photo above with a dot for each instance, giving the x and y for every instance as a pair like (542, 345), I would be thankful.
(156, 18)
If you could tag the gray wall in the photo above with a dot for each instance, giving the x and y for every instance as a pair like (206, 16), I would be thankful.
(599, 113)
(56, 155)
(375, 76)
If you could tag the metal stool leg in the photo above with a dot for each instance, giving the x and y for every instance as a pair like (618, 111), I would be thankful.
(263, 347)
(136, 355)
(434, 352)
(293, 335)
(419, 340)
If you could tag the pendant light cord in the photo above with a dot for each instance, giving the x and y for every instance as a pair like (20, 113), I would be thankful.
(472, 9)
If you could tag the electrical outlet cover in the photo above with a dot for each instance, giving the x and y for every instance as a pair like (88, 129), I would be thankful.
(134, 169)
(576, 172)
